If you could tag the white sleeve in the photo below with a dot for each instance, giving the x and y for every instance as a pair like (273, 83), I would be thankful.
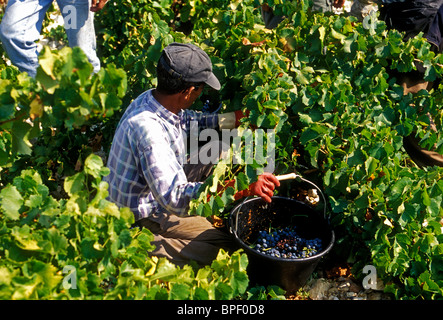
(226, 120)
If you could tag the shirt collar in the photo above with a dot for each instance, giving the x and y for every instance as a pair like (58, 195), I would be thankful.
(161, 111)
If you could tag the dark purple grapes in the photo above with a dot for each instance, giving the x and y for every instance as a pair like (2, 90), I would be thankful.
(286, 243)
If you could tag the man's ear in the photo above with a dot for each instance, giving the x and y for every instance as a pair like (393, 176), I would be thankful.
(187, 92)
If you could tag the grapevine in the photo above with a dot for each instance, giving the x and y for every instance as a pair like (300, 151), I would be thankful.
(323, 83)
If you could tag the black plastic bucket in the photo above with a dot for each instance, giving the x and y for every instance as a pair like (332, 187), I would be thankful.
(254, 215)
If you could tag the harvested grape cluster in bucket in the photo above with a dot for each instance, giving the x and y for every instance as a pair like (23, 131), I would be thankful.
(286, 243)
(284, 240)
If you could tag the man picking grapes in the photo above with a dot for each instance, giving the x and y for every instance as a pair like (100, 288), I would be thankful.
(148, 170)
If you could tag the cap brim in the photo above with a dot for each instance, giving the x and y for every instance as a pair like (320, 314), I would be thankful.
(213, 82)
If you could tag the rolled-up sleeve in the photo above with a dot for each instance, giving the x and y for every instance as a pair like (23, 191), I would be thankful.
(204, 120)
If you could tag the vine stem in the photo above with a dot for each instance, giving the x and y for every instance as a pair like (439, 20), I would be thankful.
(18, 117)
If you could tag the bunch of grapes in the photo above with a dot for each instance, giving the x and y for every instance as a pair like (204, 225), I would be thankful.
(285, 243)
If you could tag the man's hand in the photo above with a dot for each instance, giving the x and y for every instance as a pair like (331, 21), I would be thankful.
(97, 5)
(240, 115)
(338, 3)
(264, 187)
(231, 120)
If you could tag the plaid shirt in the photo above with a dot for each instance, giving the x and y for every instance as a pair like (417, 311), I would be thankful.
(147, 157)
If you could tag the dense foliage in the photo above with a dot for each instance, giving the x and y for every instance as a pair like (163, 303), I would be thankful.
(319, 81)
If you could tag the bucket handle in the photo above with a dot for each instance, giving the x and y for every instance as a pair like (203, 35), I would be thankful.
(288, 176)
(297, 176)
